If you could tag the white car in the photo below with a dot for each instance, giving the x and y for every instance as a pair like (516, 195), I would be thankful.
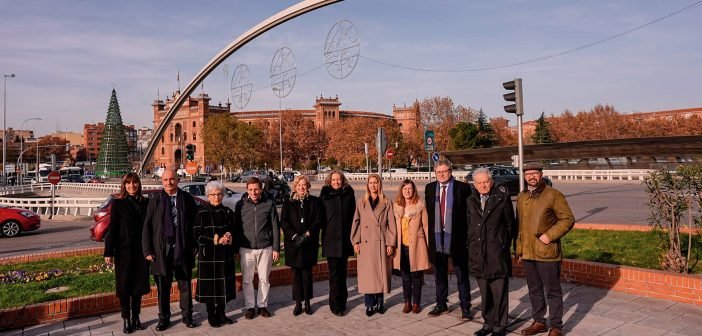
(197, 189)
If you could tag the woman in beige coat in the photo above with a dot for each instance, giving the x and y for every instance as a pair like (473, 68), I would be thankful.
(373, 236)
(411, 220)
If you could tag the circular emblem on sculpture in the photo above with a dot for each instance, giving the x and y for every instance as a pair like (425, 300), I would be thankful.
(241, 86)
(283, 72)
(341, 49)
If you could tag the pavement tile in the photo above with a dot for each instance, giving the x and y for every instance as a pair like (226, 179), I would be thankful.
(686, 309)
(664, 313)
(42, 329)
(590, 324)
(419, 329)
(655, 303)
(661, 323)
(634, 329)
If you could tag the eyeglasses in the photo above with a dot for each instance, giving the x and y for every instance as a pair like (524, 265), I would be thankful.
(532, 173)
(442, 171)
(216, 195)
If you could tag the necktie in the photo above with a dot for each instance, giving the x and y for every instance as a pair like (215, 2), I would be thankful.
(174, 211)
(442, 206)
(483, 200)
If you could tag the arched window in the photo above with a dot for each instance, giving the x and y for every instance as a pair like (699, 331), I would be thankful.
(178, 131)
(171, 137)
(194, 136)
(194, 124)
(185, 136)
(163, 151)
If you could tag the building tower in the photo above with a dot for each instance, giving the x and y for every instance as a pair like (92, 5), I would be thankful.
(112, 159)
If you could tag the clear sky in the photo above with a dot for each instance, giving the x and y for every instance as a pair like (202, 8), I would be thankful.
(68, 55)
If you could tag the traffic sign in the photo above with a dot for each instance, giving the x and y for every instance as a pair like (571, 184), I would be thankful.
(435, 156)
(390, 153)
(429, 140)
(191, 168)
(54, 177)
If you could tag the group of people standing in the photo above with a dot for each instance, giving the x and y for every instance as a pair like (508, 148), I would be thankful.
(469, 230)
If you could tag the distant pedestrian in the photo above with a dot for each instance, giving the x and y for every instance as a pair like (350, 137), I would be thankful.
(374, 237)
(301, 218)
(168, 245)
(258, 233)
(216, 277)
(339, 202)
(544, 218)
(412, 232)
(446, 207)
(491, 229)
(123, 247)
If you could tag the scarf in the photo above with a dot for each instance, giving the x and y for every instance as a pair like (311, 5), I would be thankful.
(443, 238)
(170, 234)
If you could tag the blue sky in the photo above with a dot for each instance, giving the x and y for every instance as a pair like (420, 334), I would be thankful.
(68, 55)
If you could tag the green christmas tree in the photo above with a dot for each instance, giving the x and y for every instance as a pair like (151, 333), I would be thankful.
(486, 134)
(112, 159)
(542, 132)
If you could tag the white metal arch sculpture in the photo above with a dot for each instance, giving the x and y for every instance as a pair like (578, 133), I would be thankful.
(273, 21)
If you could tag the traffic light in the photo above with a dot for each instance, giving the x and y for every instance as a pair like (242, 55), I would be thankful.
(516, 96)
(190, 152)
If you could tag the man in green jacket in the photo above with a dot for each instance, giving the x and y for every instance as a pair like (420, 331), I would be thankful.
(544, 217)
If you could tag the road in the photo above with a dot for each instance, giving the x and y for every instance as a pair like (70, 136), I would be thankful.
(605, 203)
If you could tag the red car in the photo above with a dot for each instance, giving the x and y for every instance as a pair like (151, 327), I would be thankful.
(102, 216)
(16, 220)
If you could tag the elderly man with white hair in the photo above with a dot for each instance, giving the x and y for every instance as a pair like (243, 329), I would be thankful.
(491, 230)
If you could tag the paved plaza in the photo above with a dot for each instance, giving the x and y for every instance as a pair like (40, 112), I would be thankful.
(588, 311)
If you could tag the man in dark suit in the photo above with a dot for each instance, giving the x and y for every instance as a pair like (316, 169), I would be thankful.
(446, 207)
(167, 243)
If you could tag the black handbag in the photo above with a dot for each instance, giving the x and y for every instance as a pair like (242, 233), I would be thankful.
(299, 240)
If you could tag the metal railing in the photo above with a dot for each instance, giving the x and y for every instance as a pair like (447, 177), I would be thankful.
(62, 206)
(559, 175)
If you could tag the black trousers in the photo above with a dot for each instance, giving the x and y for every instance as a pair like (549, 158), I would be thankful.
(302, 283)
(130, 305)
(544, 277)
(163, 285)
(338, 291)
(493, 293)
(441, 262)
(411, 281)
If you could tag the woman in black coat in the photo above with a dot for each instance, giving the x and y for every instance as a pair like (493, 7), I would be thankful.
(123, 247)
(212, 233)
(339, 203)
(301, 216)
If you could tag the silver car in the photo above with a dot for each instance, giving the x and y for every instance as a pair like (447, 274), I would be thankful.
(197, 189)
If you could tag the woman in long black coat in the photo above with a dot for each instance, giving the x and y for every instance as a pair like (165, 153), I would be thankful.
(212, 233)
(339, 203)
(301, 217)
(123, 247)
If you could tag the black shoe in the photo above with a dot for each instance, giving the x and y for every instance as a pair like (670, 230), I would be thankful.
(466, 314)
(298, 309)
(339, 312)
(189, 323)
(263, 311)
(224, 319)
(438, 310)
(214, 321)
(370, 311)
(380, 308)
(250, 314)
(163, 325)
(127, 329)
(482, 332)
(308, 308)
(136, 323)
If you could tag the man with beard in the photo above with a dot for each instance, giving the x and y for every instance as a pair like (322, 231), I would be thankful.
(544, 217)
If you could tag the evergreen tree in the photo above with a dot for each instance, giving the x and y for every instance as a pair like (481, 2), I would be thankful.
(486, 134)
(112, 159)
(542, 132)
(463, 136)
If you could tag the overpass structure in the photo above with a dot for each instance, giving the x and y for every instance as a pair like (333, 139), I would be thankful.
(646, 153)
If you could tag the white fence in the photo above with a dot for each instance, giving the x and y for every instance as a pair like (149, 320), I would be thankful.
(558, 175)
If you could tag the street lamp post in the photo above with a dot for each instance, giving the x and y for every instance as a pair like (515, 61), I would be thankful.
(22, 148)
(4, 129)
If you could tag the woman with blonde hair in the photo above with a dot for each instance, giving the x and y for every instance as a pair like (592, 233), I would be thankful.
(374, 235)
(412, 232)
(300, 220)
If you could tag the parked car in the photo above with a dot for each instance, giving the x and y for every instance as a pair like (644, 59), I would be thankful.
(506, 178)
(197, 189)
(96, 180)
(288, 176)
(73, 178)
(14, 221)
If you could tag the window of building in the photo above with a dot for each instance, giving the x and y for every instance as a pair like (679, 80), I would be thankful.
(171, 137)
(163, 151)
(185, 136)
(194, 124)
(194, 136)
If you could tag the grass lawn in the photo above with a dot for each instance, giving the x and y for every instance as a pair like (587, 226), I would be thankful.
(630, 248)
(638, 249)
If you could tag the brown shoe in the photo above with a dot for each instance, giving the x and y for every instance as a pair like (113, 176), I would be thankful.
(555, 332)
(535, 328)
(264, 312)
(407, 308)
(415, 308)
(250, 314)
